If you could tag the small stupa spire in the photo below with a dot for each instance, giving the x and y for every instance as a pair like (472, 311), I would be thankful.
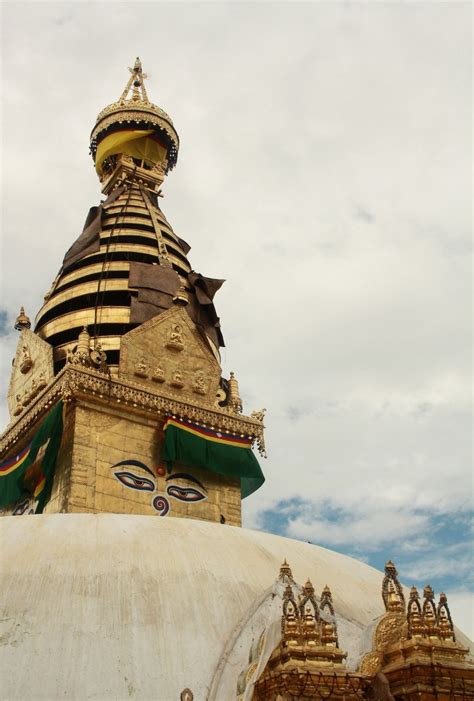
(22, 321)
(136, 83)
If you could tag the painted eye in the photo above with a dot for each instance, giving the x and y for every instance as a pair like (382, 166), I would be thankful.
(21, 508)
(185, 493)
(134, 482)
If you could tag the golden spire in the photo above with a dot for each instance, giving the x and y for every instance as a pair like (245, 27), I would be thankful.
(235, 402)
(285, 571)
(22, 320)
(326, 600)
(445, 622)
(414, 614)
(136, 82)
(392, 592)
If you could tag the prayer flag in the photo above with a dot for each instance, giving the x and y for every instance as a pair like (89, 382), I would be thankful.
(224, 453)
(31, 471)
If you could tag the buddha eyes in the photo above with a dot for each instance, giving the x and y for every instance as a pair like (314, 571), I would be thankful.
(135, 482)
(185, 493)
(160, 503)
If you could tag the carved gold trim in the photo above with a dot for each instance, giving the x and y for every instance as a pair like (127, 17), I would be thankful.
(119, 114)
(80, 382)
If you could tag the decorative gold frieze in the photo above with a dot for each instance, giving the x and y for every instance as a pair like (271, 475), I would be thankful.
(78, 381)
(415, 648)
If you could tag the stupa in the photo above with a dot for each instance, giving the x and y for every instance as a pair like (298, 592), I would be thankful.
(121, 421)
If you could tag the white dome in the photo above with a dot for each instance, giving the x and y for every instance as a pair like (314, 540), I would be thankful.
(109, 606)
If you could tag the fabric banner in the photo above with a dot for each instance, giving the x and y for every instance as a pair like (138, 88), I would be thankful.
(31, 472)
(226, 454)
(137, 143)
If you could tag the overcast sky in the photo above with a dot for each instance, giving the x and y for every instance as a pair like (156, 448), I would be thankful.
(324, 171)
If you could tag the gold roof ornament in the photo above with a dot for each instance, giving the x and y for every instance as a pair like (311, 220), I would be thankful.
(136, 122)
(285, 571)
(235, 402)
(429, 611)
(445, 622)
(414, 614)
(392, 592)
(326, 600)
(22, 321)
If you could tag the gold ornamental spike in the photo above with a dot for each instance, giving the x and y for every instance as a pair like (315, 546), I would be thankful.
(22, 320)
(136, 83)
(285, 571)
(235, 402)
(392, 592)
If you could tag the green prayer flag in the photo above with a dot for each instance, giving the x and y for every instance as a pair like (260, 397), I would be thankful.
(30, 473)
(197, 446)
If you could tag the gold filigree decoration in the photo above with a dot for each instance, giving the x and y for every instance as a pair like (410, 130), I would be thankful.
(78, 381)
(258, 415)
(389, 630)
(371, 663)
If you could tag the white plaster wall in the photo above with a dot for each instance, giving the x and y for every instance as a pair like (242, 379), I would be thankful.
(111, 607)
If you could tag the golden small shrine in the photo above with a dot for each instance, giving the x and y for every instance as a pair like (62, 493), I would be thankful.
(414, 653)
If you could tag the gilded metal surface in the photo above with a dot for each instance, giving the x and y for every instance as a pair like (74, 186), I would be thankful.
(72, 382)
(32, 371)
(168, 350)
(135, 107)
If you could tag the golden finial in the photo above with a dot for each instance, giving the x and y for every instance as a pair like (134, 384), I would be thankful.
(22, 321)
(428, 592)
(392, 592)
(285, 571)
(414, 615)
(181, 297)
(136, 82)
(235, 402)
(326, 600)
(429, 611)
(445, 622)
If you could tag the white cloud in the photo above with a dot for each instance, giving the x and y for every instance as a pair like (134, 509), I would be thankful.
(364, 530)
